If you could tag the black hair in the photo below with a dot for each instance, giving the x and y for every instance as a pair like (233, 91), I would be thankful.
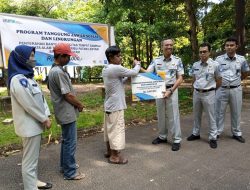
(166, 39)
(206, 44)
(112, 51)
(62, 55)
(232, 39)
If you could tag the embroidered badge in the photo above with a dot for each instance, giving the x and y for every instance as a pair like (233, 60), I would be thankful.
(24, 82)
(246, 66)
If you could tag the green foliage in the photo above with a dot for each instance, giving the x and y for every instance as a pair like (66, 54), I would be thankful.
(8, 135)
(141, 25)
(8, 6)
(38, 78)
(3, 92)
(221, 19)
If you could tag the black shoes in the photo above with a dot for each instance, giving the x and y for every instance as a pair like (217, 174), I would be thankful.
(47, 186)
(239, 138)
(176, 146)
(213, 143)
(193, 137)
(159, 141)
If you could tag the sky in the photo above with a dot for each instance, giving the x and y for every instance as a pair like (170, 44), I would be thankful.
(215, 1)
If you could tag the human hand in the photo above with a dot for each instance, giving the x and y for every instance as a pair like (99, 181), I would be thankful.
(136, 62)
(47, 123)
(167, 94)
(80, 108)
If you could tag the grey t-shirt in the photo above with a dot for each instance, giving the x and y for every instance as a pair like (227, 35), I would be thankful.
(59, 85)
(113, 77)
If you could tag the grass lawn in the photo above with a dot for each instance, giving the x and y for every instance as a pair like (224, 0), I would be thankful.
(92, 116)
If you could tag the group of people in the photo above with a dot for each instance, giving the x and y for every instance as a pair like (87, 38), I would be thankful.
(216, 84)
(31, 114)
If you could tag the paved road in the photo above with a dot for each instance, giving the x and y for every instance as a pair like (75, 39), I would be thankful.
(196, 166)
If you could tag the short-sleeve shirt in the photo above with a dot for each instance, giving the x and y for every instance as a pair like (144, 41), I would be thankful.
(59, 85)
(168, 69)
(205, 74)
(231, 69)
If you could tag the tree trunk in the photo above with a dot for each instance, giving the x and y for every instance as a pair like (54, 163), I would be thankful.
(139, 50)
(193, 28)
(134, 44)
(240, 24)
(147, 51)
(150, 50)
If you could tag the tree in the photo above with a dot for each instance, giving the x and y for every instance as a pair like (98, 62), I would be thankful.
(240, 24)
(219, 24)
(191, 12)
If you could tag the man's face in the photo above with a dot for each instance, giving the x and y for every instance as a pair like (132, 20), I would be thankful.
(231, 47)
(64, 59)
(167, 47)
(116, 59)
(204, 53)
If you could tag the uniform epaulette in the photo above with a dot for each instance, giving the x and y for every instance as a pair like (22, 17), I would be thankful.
(176, 57)
(240, 56)
(20, 76)
(220, 56)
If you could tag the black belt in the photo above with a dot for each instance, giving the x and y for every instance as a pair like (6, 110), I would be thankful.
(228, 87)
(169, 86)
(202, 91)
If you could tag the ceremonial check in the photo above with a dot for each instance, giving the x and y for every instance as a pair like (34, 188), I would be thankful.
(147, 86)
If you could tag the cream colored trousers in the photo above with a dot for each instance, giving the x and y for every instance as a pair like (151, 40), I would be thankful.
(114, 129)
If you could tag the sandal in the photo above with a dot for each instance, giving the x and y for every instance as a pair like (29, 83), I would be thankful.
(78, 176)
(121, 161)
(61, 169)
(107, 155)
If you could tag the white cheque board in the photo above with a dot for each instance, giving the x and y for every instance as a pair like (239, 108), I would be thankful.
(147, 86)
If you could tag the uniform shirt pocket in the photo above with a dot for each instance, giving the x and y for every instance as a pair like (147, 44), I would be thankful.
(238, 69)
(196, 71)
(209, 76)
(35, 90)
(224, 67)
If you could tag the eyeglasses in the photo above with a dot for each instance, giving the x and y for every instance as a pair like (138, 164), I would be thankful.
(201, 52)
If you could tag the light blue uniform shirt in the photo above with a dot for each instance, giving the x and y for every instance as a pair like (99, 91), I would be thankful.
(205, 74)
(170, 68)
(231, 69)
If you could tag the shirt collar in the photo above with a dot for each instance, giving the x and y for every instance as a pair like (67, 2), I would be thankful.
(227, 57)
(167, 59)
(206, 63)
